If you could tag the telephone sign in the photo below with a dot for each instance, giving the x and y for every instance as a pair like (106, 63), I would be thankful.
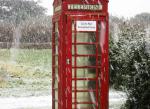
(85, 7)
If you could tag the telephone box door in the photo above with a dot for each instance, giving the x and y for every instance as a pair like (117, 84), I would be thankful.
(84, 69)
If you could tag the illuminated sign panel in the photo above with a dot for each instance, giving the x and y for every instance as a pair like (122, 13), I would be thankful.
(85, 7)
(86, 26)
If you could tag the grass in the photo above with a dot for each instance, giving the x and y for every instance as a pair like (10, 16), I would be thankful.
(25, 69)
(31, 57)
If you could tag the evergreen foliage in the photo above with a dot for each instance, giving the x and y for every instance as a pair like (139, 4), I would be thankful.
(130, 61)
(138, 83)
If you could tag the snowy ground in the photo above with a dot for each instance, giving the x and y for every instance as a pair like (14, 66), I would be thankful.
(42, 102)
(117, 98)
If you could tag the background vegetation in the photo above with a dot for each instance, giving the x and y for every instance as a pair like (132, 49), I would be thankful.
(130, 59)
(27, 16)
(24, 69)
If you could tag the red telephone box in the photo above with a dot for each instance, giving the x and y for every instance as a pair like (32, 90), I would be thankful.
(80, 54)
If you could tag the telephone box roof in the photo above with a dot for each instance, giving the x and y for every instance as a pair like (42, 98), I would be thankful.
(80, 6)
(56, 2)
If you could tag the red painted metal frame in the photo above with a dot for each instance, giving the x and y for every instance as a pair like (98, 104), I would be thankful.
(64, 19)
(53, 67)
(69, 66)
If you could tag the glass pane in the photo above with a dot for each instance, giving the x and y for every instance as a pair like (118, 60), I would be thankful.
(56, 105)
(86, 49)
(84, 84)
(84, 73)
(73, 26)
(86, 96)
(84, 37)
(85, 106)
(56, 60)
(81, 61)
(56, 95)
(73, 49)
(73, 38)
(56, 66)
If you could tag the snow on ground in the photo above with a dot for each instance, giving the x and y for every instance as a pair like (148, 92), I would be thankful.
(42, 102)
(117, 98)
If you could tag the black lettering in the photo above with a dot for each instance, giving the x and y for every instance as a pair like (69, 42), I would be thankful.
(82, 7)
